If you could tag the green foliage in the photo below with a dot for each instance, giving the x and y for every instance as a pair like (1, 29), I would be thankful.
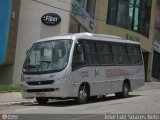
(10, 88)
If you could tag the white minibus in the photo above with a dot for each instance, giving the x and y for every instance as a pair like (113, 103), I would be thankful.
(81, 66)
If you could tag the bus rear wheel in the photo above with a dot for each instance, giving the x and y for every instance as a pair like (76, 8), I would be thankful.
(125, 91)
(83, 94)
(42, 100)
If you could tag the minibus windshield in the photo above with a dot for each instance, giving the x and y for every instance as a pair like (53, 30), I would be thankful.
(48, 56)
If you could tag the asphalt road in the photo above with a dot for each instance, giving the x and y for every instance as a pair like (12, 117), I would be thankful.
(139, 102)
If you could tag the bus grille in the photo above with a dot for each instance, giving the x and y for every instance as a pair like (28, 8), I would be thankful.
(40, 82)
(41, 90)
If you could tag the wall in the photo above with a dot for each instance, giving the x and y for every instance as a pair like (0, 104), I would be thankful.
(31, 28)
(9, 26)
(6, 74)
(13, 32)
(5, 8)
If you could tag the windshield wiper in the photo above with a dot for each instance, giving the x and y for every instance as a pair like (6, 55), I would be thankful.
(30, 66)
(44, 61)
(57, 70)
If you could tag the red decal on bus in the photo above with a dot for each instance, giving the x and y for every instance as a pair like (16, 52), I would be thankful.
(116, 73)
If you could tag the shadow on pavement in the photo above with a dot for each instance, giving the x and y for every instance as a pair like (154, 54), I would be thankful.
(71, 102)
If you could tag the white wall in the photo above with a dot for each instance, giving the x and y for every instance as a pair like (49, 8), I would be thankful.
(31, 28)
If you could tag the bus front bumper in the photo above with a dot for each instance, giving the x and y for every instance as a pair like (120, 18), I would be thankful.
(62, 90)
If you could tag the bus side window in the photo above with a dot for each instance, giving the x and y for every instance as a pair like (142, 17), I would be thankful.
(120, 54)
(134, 54)
(104, 53)
(78, 56)
(91, 53)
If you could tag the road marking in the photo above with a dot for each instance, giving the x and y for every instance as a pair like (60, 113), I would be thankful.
(26, 109)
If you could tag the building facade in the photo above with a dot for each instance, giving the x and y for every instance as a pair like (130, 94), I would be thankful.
(9, 18)
(156, 45)
(129, 19)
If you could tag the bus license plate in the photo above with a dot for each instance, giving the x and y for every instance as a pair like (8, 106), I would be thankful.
(40, 94)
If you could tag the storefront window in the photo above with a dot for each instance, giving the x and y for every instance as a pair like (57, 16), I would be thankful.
(90, 7)
(121, 13)
(131, 14)
(157, 26)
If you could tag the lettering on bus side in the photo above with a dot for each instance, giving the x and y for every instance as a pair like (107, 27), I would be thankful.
(116, 73)
(84, 74)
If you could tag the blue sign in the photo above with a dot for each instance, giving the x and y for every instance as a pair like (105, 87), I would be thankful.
(5, 13)
(77, 10)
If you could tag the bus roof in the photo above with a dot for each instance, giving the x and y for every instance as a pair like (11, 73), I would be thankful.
(87, 36)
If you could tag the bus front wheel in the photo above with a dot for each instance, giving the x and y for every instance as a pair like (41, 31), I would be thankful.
(83, 94)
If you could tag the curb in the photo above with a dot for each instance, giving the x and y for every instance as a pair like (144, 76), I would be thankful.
(17, 103)
(146, 89)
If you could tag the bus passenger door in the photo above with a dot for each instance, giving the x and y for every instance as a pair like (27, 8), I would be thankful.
(80, 72)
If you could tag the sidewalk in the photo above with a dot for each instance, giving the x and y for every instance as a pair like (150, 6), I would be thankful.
(149, 86)
(13, 98)
(16, 97)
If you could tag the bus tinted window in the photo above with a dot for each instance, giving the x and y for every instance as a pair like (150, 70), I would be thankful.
(119, 54)
(133, 50)
(103, 47)
(91, 53)
(78, 56)
(104, 53)
(90, 47)
(134, 54)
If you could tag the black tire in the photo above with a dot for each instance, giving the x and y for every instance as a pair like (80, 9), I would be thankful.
(93, 97)
(42, 100)
(118, 95)
(125, 91)
(83, 94)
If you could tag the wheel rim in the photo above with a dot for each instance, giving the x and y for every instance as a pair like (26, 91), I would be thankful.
(83, 94)
(125, 90)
